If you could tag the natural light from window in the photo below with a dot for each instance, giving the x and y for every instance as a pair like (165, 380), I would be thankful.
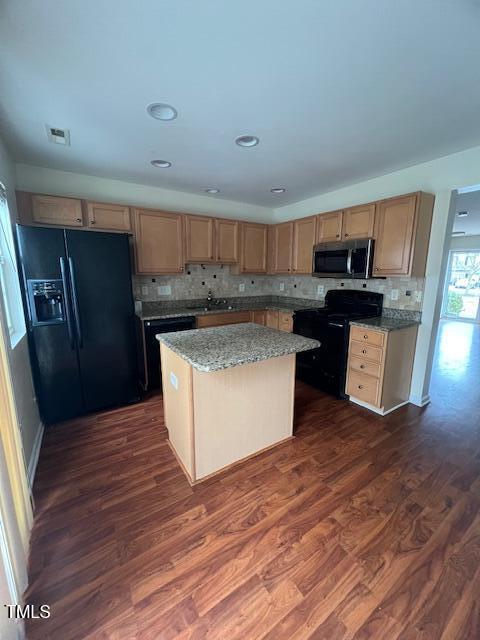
(9, 285)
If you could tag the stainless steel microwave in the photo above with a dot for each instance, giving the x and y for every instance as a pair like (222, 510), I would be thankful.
(350, 259)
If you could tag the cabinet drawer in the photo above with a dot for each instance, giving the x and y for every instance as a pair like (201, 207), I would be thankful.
(366, 351)
(285, 321)
(219, 319)
(376, 338)
(363, 387)
(364, 366)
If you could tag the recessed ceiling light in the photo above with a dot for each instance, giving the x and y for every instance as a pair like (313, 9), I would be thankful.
(278, 190)
(212, 190)
(162, 164)
(247, 141)
(458, 233)
(462, 214)
(162, 111)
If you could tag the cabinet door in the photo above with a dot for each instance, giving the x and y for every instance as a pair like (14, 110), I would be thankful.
(358, 222)
(329, 226)
(285, 321)
(254, 248)
(272, 319)
(158, 241)
(226, 234)
(108, 217)
(283, 239)
(64, 212)
(199, 236)
(303, 241)
(394, 233)
(259, 317)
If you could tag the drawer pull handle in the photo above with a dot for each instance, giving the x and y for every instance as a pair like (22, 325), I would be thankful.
(362, 366)
(360, 386)
(365, 337)
(364, 351)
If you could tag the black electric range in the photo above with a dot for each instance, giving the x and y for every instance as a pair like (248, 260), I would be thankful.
(325, 367)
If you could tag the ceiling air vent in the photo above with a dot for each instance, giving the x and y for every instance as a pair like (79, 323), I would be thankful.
(58, 136)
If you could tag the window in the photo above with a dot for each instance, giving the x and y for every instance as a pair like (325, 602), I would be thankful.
(9, 285)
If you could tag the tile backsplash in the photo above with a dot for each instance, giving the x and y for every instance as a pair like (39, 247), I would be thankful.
(399, 293)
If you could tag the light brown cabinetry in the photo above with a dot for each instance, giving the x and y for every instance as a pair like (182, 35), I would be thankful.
(285, 321)
(253, 247)
(108, 217)
(272, 319)
(358, 222)
(219, 319)
(158, 241)
(282, 247)
(329, 226)
(199, 239)
(226, 239)
(303, 242)
(63, 212)
(402, 233)
(259, 317)
(379, 369)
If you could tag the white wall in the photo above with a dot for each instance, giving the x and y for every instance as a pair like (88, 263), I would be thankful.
(440, 177)
(65, 183)
(19, 359)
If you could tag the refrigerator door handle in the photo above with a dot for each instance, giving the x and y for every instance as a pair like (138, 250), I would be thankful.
(66, 302)
(76, 309)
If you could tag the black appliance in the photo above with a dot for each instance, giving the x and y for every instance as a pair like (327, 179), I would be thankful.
(350, 259)
(151, 376)
(77, 292)
(325, 367)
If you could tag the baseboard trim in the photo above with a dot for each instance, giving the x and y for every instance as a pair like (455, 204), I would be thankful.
(420, 401)
(32, 465)
(377, 410)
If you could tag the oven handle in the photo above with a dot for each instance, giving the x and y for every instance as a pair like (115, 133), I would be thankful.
(349, 262)
(66, 302)
(335, 324)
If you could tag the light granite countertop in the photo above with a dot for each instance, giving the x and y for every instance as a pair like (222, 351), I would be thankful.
(384, 323)
(217, 348)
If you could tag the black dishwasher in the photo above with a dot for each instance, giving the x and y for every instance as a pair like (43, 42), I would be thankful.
(152, 370)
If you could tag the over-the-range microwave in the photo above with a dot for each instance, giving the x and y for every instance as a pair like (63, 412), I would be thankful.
(350, 259)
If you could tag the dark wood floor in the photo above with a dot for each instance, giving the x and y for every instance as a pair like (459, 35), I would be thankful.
(361, 527)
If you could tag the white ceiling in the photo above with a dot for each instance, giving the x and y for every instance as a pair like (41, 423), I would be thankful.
(469, 202)
(337, 90)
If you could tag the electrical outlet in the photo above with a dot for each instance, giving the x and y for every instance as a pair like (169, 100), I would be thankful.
(144, 290)
(394, 294)
(164, 290)
(241, 287)
(320, 289)
(282, 286)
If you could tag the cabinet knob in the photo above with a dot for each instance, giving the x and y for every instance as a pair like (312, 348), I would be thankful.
(181, 268)
(78, 219)
(365, 337)
(346, 235)
(376, 268)
(360, 386)
(92, 222)
(362, 366)
(364, 351)
(338, 235)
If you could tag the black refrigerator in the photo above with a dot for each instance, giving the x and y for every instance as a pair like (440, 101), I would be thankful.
(77, 291)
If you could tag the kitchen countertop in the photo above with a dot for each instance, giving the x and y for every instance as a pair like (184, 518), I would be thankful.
(217, 348)
(384, 323)
(181, 311)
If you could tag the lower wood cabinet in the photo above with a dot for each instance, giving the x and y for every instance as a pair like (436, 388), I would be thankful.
(219, 319)
(158, 241)
(272, 319)
(259, 317)
(282, 320)
(108, 217)
(379, 369)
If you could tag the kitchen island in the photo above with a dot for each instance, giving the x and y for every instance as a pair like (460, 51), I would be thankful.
(228, 393)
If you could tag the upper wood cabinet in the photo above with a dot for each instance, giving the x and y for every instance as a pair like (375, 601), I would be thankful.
(303, 241)
(63, 212)
(402, 233)
(226, 240)
(329, 226)
(253, 247)
(158, 241)
(358, 222)
(199, 239)
(282, 247)
(108, 217)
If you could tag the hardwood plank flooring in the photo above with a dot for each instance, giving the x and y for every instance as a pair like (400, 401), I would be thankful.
(360, 527)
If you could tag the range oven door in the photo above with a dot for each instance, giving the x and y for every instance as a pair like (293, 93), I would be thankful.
(351, 259)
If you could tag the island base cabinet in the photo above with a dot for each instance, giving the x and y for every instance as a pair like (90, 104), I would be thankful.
(253, 403)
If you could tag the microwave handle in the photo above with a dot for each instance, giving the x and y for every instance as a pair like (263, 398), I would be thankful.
(349, 262)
